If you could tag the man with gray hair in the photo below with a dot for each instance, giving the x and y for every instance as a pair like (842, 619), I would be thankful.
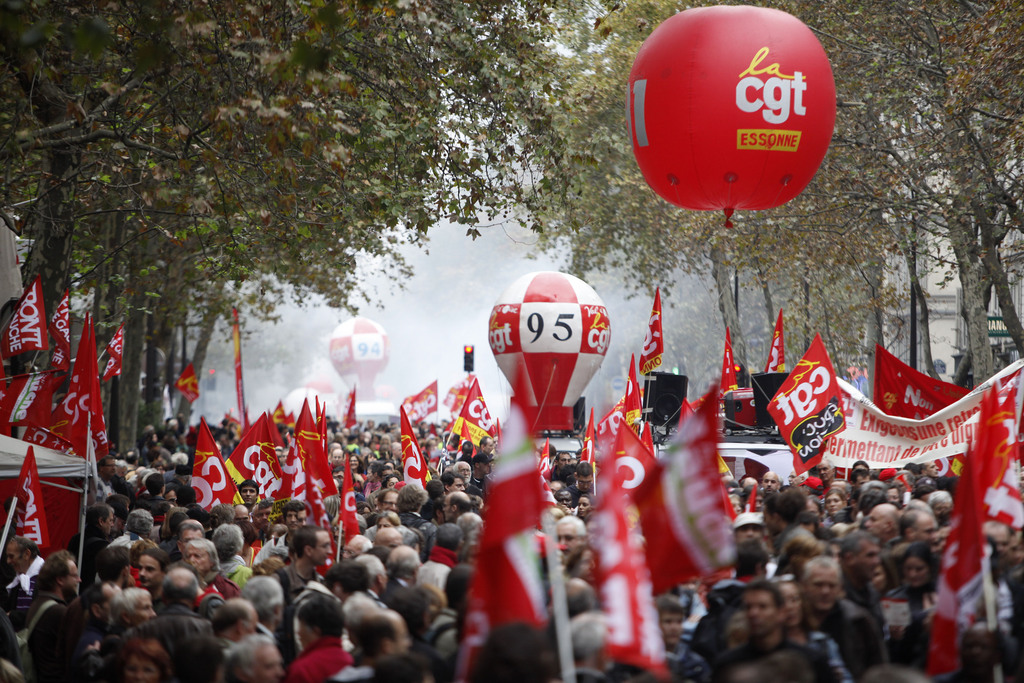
(443, 557)
(129, 608)
(378, 577)
(202, 554)
(860, 640)
(403, 565)
(589, 632)
(267, 597)
(139, 525)
(177, 621)
(572, 532)
(254, 659)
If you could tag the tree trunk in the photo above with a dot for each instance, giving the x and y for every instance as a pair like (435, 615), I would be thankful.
(997, 276)
(726, 304)
(873, 319)
(924, 328)
(199, 357)
(52, 228)
(131, 369)
(975, 287)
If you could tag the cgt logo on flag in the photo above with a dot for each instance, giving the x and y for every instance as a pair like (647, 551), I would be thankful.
(807, 407)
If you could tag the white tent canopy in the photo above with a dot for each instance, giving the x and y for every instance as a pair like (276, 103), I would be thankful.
(50, 463)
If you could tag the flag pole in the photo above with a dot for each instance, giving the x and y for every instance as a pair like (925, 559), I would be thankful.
(86, 486)
(10, 516)
(559, 608)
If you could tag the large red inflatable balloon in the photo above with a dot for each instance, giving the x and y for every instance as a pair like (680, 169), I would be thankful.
(556, 327)
(359, 350)
(731, 108)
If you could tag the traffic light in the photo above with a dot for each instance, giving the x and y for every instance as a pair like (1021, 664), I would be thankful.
(467, 358)
(742, 378)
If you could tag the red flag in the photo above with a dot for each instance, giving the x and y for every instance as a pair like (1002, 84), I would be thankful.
(45, 438)
(81, 411)
(507, 585)
(414, 466)
(419, 406)
(902, 391)
(255, 458)
(588, 441)
(729, 381)
(752, 500)
(608, 426)
(311, 454)
(279, 416)
(807, 407)
(60, 330)
(188, 384)
(631, 405)
(964, 561)
(681, 506)
(236, 336)
(28, 398)
(350, 410)
(349, 523)
(457, 394)
(31, 520)
(544, 461)
(654, 344)
(777, 352)
(647, 437)
(475, 421)
(27, 329)
(114, 350)
(995, 450)
(209, 475)
(623, 580)
(633, 460)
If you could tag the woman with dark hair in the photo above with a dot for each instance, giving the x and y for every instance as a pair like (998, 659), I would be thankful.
(143, 660)
(908, 636)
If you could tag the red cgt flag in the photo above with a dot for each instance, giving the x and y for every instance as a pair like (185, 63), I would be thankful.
(623, 580)
(414, 466)
(588, 441)
(79, 417)
(350, 410)
(210, 477)
(682, 507)
(507, 585)
(777, 352)
(349, 523)
(544, 461)
(255, 458)
(654, 344)
(114, 350)
(312, 458)
(964, 561)
(27, 328)
(31, 520)
(188, 384)
(729, 381)
(45, 438)
(475, 421)
(634, 461)
(456, 396)
(60, 330)
(632, 408)
(419, 406)
(902, 391)
(807, 408)
(996, 455)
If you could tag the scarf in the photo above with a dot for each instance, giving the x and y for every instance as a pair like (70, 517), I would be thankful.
(443, 556)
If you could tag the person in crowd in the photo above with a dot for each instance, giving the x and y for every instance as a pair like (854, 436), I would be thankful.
(909, 632)
(57, 583)
(254, 659)
(320, 627)
(22, 555)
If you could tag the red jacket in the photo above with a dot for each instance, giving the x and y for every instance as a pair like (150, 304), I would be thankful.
(318, 662)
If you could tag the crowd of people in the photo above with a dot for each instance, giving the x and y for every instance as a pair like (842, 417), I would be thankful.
(835, 579)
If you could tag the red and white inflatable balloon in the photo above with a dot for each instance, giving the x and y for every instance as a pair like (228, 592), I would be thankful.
(557, 328)
(730, 107)
(359, 351)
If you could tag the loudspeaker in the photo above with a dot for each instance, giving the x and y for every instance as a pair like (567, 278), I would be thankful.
(664, 398)
(766, 385)
(579, 415)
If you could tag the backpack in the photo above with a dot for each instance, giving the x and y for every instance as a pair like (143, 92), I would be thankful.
(27, 665)
(709, 638)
